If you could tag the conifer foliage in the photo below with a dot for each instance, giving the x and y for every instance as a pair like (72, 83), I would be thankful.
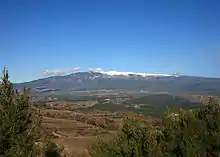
(183, 134)
(18, 126)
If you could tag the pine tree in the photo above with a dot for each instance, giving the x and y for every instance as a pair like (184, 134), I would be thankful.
(137, 138)
(182, 134)
(210, 115)
(18, 126)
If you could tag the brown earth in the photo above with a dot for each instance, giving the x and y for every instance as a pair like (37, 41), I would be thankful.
(77, 131)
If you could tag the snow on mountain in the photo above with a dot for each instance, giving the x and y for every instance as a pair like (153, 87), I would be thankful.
(117, 73)
(92, 80)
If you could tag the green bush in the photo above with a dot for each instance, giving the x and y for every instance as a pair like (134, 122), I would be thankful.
(52, 149)
(184, 134)
(137, 138)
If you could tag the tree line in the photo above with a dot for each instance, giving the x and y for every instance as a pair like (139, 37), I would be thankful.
(186, 133)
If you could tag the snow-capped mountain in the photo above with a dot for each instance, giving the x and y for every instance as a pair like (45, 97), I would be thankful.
(124, 80)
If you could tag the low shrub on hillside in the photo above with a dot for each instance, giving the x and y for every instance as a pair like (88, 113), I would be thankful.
(183, 134)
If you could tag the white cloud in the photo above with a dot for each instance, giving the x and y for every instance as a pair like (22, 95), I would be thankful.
(95, 69)
(76, 68)
(54, 72)
(58, 72)
(98, 69)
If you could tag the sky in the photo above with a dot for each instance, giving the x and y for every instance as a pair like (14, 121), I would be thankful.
(42, 37)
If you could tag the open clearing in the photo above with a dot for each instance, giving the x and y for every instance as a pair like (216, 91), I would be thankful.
(74, 135)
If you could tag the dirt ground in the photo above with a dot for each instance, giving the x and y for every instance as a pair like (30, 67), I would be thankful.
(77, 131)
(74, 135)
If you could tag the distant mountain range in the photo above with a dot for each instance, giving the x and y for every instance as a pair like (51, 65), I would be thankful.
(128, 81)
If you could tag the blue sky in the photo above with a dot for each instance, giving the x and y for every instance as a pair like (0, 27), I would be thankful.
(158, 36)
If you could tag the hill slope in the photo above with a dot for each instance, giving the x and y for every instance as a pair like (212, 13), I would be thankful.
(95, 80)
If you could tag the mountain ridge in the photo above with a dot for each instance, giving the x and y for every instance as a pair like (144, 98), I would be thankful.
(129, 81)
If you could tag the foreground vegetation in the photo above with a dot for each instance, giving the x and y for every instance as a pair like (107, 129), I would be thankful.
(186, 133)
(20, 126)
